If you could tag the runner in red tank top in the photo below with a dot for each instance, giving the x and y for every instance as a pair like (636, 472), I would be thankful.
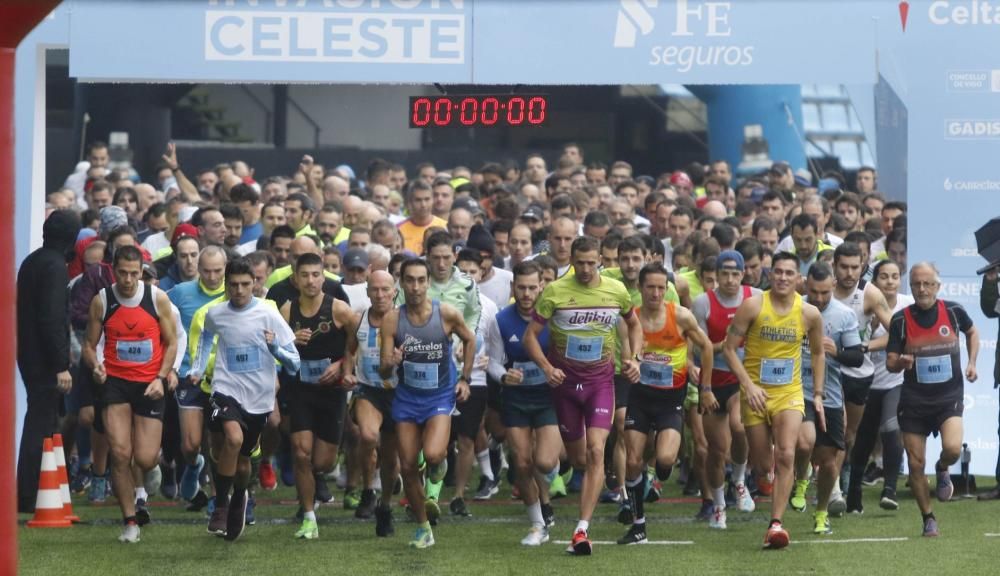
(720, 403)
(140, 344)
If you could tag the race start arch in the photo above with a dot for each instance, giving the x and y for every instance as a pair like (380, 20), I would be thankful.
(933, 66)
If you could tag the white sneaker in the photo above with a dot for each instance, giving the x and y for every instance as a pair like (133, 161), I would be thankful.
(130, 534)
(837, 505)
(718, 519)
(536, 537)
(744, 501)
(152, 480)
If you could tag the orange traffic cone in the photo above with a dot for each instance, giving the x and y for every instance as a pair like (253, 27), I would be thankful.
(49, 506)
(57, 447)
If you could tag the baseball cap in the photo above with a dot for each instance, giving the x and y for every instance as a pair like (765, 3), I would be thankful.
(182, 231)
(356, 258)
(802, 181)
(469, 204)
(149, 270)
(534, 212)
(679, 177)
(781, 166)
(729, 256)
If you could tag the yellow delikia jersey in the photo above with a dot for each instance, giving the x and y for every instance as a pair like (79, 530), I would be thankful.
(774, 345)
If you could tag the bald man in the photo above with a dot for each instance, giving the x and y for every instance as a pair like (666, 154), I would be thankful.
(335, 188)
(715, 209)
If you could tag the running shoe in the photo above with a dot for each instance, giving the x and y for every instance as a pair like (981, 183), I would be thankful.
(209, 506)
(776, 537)
(422, 538)
(548, 515)
(366, 507)
(744, 501)
(308, 531)
(432, 510)
(351, 500)
(433, 489)
(98, 489)
(189, 480)
(873, 474)
(287, 467)
(691, 486)
(625, 513)
(169, 488)
(798, 499)
(765, 486)
(654, 488)
(575, 483)
(557, 488)
(458, 508)
(706, 510)
(636, 535)
(537, 536)
(82, 480)
(251, 510)
(837, 505)
(236, 519)
(141, 512)
(268, 479)
(130, 533)
(199, 501)
(217, 524)
(152, 480)
(931, 528)
(610, 497)
(888, 500)
(487, 488)
(718, 519)
(322, 493)
(580, 545)
(384, 525)
(822, 523)
(945, 489)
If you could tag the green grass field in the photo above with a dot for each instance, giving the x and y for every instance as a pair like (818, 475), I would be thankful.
(487, 543)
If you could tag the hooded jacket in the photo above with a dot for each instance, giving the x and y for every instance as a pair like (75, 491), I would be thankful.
(43, 303)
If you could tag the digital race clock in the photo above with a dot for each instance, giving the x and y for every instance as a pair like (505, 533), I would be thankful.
(478, 110)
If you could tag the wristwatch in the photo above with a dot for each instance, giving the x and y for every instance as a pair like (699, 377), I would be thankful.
(704, 389)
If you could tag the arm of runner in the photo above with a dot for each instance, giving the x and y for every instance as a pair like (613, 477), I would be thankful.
(455, 324)
(95, 326)
(737, 331)
(879, 305)
(202, 348)
(895, 359)
(496, 353)
(683, 291)
(634, 339)
(168, 339)
(282, 345)
(972, 345)
(814, 328)
(554, 375)
(851, 353)
(187, 188)
(335, 372)
(389, 355)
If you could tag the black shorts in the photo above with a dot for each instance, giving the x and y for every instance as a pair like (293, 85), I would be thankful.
(286, 383)
(918, 416)
(651, 410)
(493, 393)
(526, 407)
(224, 408)
(380, 399)
(190, 396)
(834, 435)
(470, 413)
(723, 395)
(856, 389)
(118, 391)
(317, 409)
(622, 385)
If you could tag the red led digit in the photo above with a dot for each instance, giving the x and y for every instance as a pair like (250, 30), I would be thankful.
(421, 112)
(491, 111)
(515, 111)
(470, 108)
(536, 110)
(442, 112)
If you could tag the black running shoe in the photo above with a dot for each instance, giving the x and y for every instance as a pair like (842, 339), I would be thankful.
(549, 515)
(383, 522)
(366, 507)
(141, 512)
(873, 475)
(636, 535)
(888, 500)
(458, 508)
(236, 519)
(322, 493)
(854, 504)
(197, 503)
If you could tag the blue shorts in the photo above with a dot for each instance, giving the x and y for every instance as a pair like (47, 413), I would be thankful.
(419, 407)
(190, 396)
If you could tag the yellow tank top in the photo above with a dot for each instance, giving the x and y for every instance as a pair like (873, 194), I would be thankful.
(774, 345)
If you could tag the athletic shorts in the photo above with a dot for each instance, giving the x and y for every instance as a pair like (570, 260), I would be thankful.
(652, 410)
(856, 389)
(419, 407)
(526, 407)
(622, 385)
(779, 399)
(380, 399)
(317, 409)
(190, 396)
(494, 390)
(470, 413)
(834, 435)
(119, 391)
(723, 395)
(918, 416)
(224, 408)
(582, 406)
(286, 382)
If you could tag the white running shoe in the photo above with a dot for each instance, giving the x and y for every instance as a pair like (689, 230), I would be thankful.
(130, 534)
(744, 501)
(536, 536)
(718, 519)
(152, 480)
(837, 505)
